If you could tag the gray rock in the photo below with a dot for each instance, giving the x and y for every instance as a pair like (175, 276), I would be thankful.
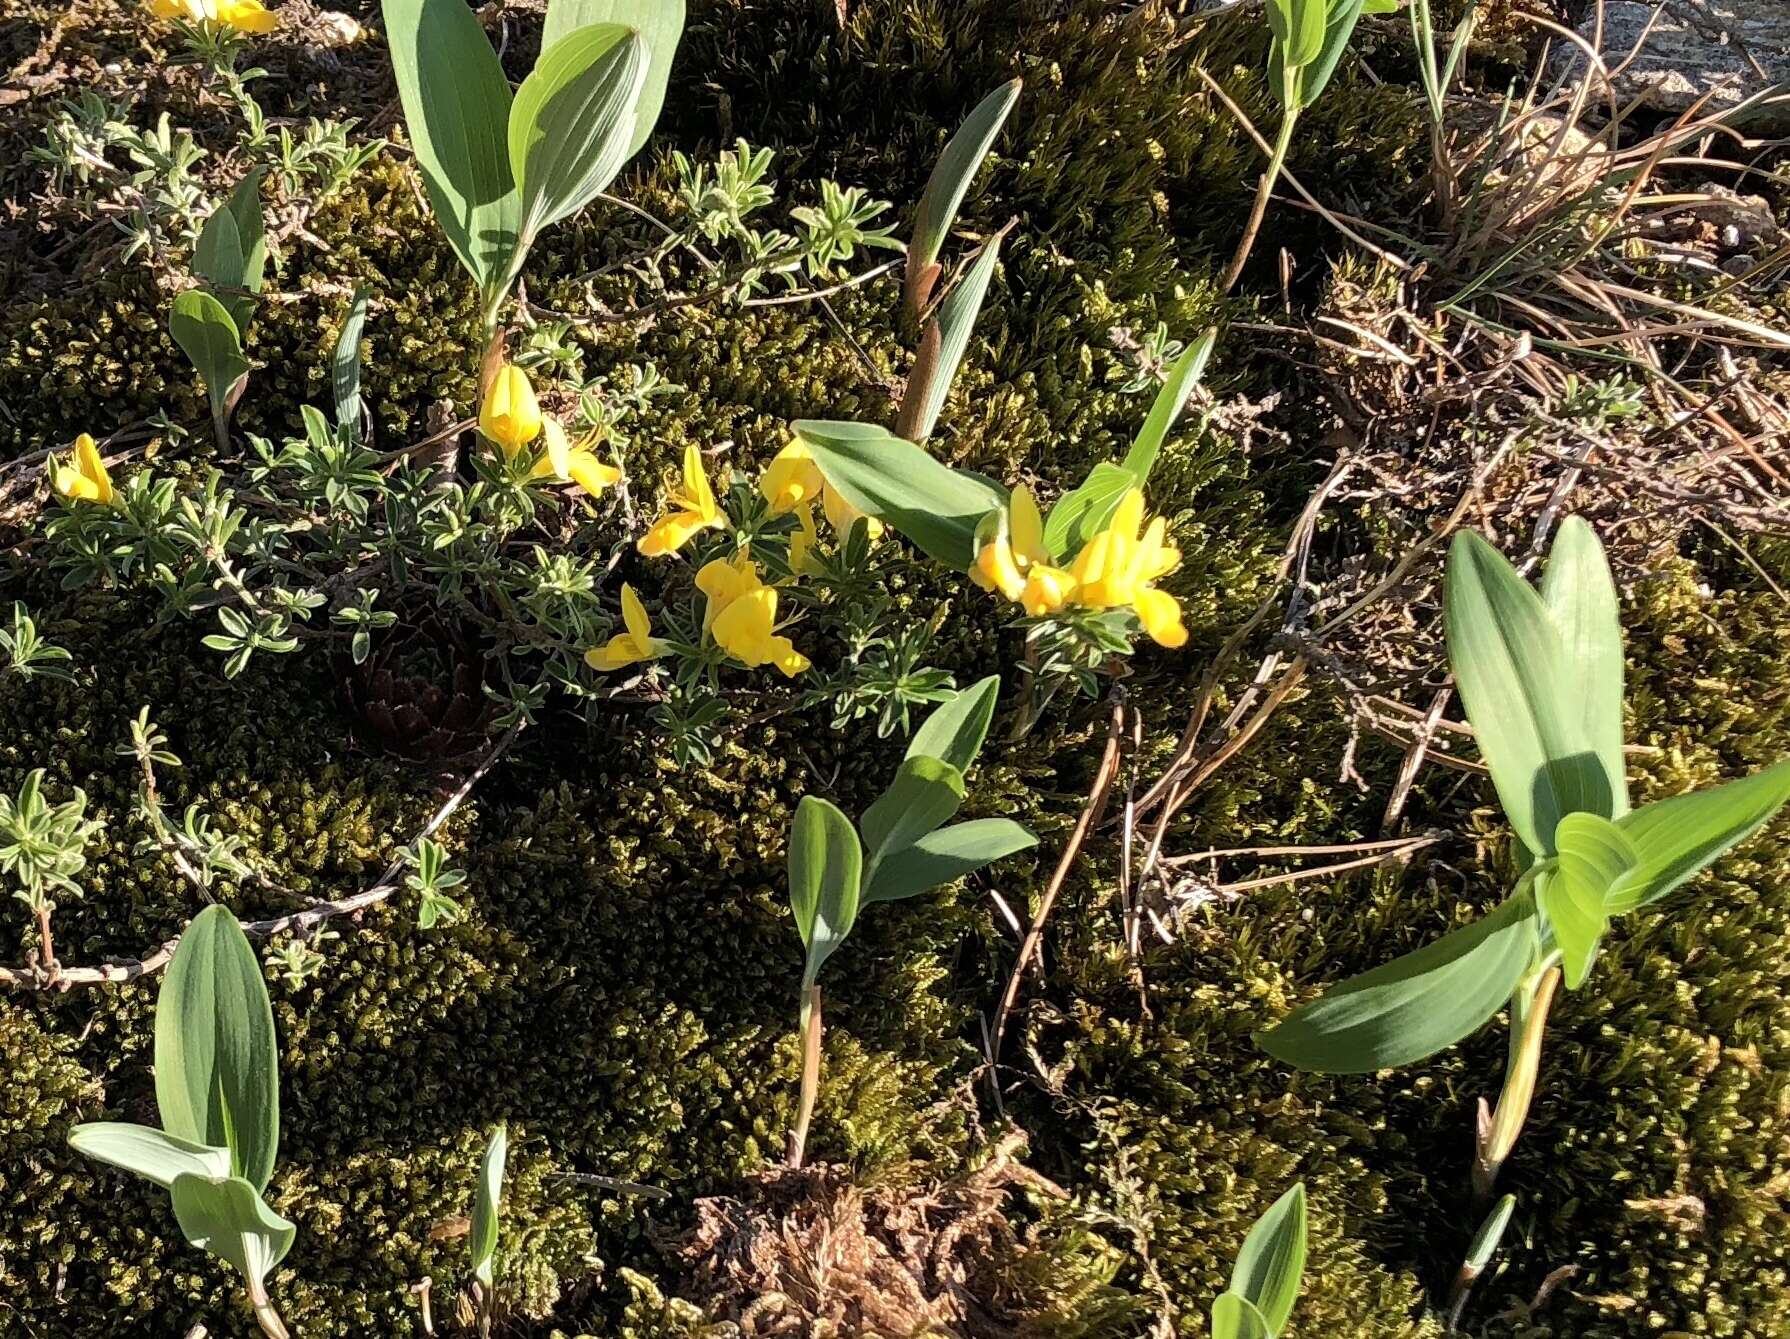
(1732, 49)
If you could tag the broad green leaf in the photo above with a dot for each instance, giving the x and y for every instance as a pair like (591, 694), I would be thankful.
(943, 857)
(487, 1203)
(1415, 1005)
(1298, 28)
(1316, 74)
(457, 110)
(207, 335)
(1082, 513)
(1593, 854)
(936, 507)
(956, 728)
(151, 1153)
(573, 121)
(228, 1217)
(1271, 1264)
(924, 795)
(216, 1058)
(945, 189)
(344, 365)
(1510, 665)
(1235, 1317)
(1677, 838)
(660, 24)
(232, 250)
(942, 346)
(1581, 599)
(1485, 1241)
(825, 868)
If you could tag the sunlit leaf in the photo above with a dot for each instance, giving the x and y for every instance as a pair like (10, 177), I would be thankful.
(151, 1153)
(957, 726)
(1271, 1264)
(825, 869)
(942, 346)
(228, 1217)
(924, 795)
(945, 856)
(1677, 838)
(487, 1204)
(1593, 854)
(660, 24)
(1235, 1317)
(945, 189)
(1581, 598)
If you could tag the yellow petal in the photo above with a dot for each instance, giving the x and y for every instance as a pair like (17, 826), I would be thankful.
(802, 542)
(510, 416)
(841, 514)
(1130, 514)
(743, 629)
(994, 561)
(697, 495)
(1102, 571)
(791, 479)
(249, 16)
(723, 581)
(1047, 590)
(1155, 556)
(621, 650)
(670, 533)
(1161, 617)
(1026, 527)
(92, 468)
(559, 450)
(634, 616)
(786, 658)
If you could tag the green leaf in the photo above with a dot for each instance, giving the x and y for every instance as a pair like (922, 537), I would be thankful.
(1415, 1005)
(936, 507)
(151, 1153)
(1082, 513)
(1336, 32)
(457, 110)
(945, 189)
(1272, 1262)
(1235, 1317)
(344, 365)
(228, 1217)
(942, 346)
(232, 249)
(486, 1205)
(924, 795)
(573, 121)
(825, 867)
(1491, 1232)
(1509, 662)
(1677, 838)
(1594, 853)
(1298, 28)
(216, 1057)
(944, 856)
(1581, 600)
(660, 24)
(956, 728)
(207, 335)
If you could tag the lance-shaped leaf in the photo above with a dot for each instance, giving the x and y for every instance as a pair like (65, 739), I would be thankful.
(1677, 838)
(1235, 1317)
(945, 189)
(573, 122)
(942, 346)
(487, 1202)
(1339, 27)
(228, 1217)
(955, 730)
(1415, 1005)
(1485, 1241)
(1297, 27)
(936, 507)
(1509, 662)
(457, 110)
(923, 796)
(1593, 854)
(1081, 514)
(1581, 600)
(232, 250)
(344, 366)
(660, 24)
(1271, 1264)
(207, 335)
(944, 856)
(152, 1154)
(825, 868)
(216, 1058)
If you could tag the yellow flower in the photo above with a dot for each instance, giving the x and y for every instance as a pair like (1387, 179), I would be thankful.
(724, 580)
(571, 464)
(1047, 589)
(249, 16)
(1116, 568)
(635, 644)
(841, 514)
(996, 569)
(792, 479)
(1161, 617)
(85, 479)
(510, 416)
(746, 628)
(802, 542)
(1002, 563)
(692, 509)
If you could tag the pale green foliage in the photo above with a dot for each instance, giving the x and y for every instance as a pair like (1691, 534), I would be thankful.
(43, 845)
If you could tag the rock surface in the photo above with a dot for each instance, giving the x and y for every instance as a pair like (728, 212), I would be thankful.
(1732, 50)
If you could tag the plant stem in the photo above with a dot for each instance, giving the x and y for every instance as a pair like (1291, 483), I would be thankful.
(45, 940)
(269, 1319)
(811, 1031)
(1498, 1130)
(1264, 192)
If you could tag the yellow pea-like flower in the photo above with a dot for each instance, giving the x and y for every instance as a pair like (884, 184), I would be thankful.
(510, 415)
(83, 477)
(746, 630)
(1160, 614)
(572, 464)
(724, 580)
(692, 509)
(996, 569)
(634, 644)
(1047, 589)
(249, 16)
(792, 479)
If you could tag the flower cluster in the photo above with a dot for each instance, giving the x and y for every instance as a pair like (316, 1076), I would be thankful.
(511, 418)
(1113, 570)
(246, 16)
